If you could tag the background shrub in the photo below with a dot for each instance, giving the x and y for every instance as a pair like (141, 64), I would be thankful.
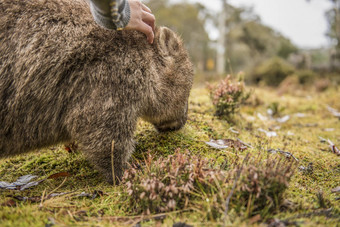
(306, 77)
(227, 96)
(272, 71)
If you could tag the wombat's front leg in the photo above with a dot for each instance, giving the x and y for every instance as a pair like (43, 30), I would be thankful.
(99, 152)
(95, 134)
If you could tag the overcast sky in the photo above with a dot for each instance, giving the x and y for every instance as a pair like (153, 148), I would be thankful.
(303, 22)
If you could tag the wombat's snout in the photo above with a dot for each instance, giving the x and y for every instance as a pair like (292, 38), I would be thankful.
(174, 125)
(171, 125)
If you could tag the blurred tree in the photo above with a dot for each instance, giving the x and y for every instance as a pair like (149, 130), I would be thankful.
(333, 17)
(188, 20)
(221, 41)
(286, 48)
(264, 41)
(250, 42)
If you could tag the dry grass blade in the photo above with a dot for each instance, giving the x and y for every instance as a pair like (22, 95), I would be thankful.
(62, 183)
(112, 162)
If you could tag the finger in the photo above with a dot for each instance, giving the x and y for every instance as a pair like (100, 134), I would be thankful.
(145, 8)
(149, 19)
(147, 30)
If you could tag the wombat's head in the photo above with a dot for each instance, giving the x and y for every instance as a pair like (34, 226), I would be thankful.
(169, 101)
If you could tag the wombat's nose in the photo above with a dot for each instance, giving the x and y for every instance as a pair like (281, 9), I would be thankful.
(170, 126)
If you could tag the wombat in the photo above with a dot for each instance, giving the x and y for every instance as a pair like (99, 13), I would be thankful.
(63, 78)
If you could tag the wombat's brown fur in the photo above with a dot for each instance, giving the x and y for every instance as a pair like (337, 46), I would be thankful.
(64, 78)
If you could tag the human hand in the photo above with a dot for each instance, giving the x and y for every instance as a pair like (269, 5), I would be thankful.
(141, 19)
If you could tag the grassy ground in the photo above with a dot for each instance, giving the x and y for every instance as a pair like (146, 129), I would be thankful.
(268, 187)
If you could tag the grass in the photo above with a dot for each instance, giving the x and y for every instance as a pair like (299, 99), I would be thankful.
(260, 196)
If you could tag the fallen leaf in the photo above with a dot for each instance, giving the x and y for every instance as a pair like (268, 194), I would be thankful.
(268, 133)
(246, 144)
(24, 198)
(233, 130)
(285, 153)
(20, 182)
(270, 112)
(6, 185)
(322, 140)
(334, 112)
(261, 117)
(84, 194)
(300, 115)
(289, 133)
(57, 175)
(283, 119)
(249, 118)
(218, 144)
(309, 125)
(93, 195)
(225, 143)
(274, 128)
(9, 203)
(333, 148)
(25, 181)
(31, 184)
(336, 190)
(58, 194)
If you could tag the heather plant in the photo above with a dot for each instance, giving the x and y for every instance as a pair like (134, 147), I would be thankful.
(168, 184)
(227, 96)
(183, 181)
(262, 185)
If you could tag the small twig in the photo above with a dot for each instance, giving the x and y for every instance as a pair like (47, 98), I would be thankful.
(112, 162)
(288, 154)
(233, 188)
(244, 143)
(57, 187)
(322, 140)
(69, 213)
(42, 198)
(333, 148)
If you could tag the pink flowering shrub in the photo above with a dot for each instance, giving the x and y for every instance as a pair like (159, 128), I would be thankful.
(170, 183)
(227, 96)
(188, 181)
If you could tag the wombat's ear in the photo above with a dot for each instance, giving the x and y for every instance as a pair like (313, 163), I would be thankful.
(168, 42)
